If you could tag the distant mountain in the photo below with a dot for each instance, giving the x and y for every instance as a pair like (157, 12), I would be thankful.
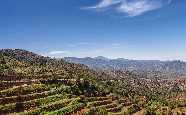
(102, 58)
(131, 65)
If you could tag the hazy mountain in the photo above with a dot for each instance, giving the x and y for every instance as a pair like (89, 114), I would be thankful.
(126, 64)
(102, 58)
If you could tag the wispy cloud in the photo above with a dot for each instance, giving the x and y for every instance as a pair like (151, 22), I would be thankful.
(104, 4)
(131, 7)
(58, 52)
(79, 44)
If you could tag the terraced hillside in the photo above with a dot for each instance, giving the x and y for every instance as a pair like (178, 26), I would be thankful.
(35, 98)
(31, 84)
(59, 96)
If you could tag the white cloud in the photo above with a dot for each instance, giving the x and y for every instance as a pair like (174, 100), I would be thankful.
(139, 7)
(58, 52)
(105, 3)
(131, 7)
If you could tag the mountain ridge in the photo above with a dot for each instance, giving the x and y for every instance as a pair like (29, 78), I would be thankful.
(175, 66)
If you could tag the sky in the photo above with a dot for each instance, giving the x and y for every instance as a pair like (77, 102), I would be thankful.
(132, 29)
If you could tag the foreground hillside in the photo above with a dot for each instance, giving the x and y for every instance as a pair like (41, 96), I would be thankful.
(31, 84)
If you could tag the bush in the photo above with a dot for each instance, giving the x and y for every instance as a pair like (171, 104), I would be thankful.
(133, 109)
(97, 111)
(67, 110)
(152, 106)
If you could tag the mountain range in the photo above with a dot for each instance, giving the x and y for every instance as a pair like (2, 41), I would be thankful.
(104, 63)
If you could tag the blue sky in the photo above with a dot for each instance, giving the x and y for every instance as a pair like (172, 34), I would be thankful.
(134, 29)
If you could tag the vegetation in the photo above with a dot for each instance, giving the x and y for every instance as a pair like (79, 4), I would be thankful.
(33, 84)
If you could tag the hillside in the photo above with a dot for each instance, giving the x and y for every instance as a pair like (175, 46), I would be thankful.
(31, 84)
(131, 65)
(26, 63)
